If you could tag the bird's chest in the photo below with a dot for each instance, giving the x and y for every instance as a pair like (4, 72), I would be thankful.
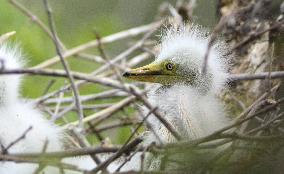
(182, 110)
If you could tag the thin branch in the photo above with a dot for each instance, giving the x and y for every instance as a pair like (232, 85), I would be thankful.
(258, 76)
(41, 166)
(65, 153)
(103, 68)
(219, 133)
(82, 76)
(265, 125)
(20, 138)
(84, 98)
(34, 18)
(40, 160)
(125, 149)
(49, 85)
(115, 37)
(158, 115)
(6, 36)
(256, 35)
(64, 63)
(117, 125)
(105, 57)
(84, 143)
(98, 117)
(212, 39)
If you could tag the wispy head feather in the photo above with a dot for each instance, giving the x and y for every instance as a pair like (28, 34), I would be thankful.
(10, 58)
(187, 45)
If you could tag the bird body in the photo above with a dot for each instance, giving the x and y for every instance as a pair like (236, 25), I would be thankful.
(14, 121)
(184, 94)
(186, 97)
(191, 113)
(18, 115)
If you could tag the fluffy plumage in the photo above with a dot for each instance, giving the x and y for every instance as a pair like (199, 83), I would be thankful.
(187, 47)
(17, 115)
(9, 85)
(192, 108)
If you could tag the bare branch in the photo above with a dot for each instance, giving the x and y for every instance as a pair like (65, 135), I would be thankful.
(64, 63)
(6, 36)
(23, 136)
(115, 37)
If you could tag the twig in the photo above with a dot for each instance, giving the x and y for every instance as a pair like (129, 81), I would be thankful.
(252, 138)
(49, 95)
(152, 172)
(133, 133)
(124, 149)
(6, 36)
(150, 127)
(117, 125)
(55, 114)
(40, 160)
(92, 58)
(140, 124)
(266, 125)
(219, 133)
(212, 39)
(158, 115)
(84, 98)
(49, 85)
(97, 133)
(127, 160)
(258, 76)
(62, 73)
(86, 107)
(41, 166)
(34, 18)
(127, 52)
(64, 63)
(84, 143)
(65, 153)
(254, 36)
(119, 57)
(103, 114)
(105, 57)
(115, 37)
(23, 136)
(255, 103)
(82, 76)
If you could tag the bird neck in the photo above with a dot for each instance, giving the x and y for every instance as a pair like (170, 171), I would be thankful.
(201, 88)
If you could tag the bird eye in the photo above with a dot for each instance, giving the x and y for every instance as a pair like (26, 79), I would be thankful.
(169, 66)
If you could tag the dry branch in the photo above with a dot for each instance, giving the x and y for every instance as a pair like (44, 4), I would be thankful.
(64, 63)
(108, 39)
(6, 36)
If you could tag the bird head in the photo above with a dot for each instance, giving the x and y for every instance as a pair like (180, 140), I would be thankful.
(165, 72)
(181, 59)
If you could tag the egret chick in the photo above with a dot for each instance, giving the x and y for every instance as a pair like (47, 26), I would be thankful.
(17, 115)
(186, 97)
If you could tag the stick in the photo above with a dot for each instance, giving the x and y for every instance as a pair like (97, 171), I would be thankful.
(115, 37)
(64, 63)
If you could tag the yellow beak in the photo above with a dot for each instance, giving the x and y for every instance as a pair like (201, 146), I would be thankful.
(149, 73)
